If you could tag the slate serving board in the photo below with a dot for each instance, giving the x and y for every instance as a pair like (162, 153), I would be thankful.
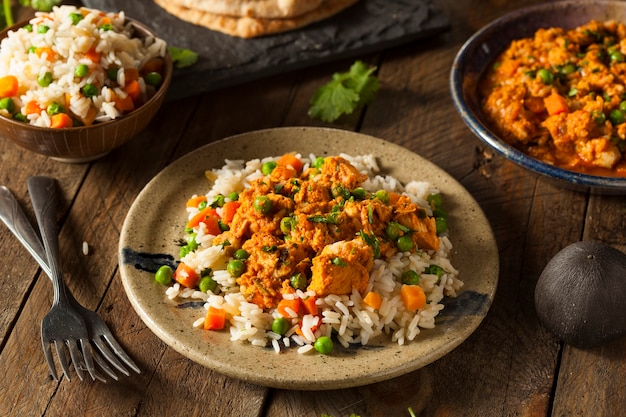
(366, 27)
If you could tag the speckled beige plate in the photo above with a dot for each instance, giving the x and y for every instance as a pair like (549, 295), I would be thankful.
(156, 220)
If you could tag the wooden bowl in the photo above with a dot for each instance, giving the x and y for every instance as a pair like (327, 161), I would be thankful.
(87, 143)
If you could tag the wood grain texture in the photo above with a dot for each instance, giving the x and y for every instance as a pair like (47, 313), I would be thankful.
(511, 366)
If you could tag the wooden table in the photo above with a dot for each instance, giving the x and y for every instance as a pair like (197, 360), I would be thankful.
(509, 366)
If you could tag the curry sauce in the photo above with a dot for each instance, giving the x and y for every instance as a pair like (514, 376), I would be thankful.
(560, 97)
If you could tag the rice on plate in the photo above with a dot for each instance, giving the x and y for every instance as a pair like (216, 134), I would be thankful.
(300, 251)
(77, 66)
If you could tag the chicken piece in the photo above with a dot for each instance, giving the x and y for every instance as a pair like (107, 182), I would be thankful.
(341, 267)
(312, 197)
(337, 171)
(271, 261)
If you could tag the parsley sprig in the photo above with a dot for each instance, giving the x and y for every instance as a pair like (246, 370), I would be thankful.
(344, 93)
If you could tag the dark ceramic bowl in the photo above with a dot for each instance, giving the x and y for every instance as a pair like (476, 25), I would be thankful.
(484, 46)
(87, 143)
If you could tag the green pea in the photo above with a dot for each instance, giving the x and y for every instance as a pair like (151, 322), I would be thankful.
(435, 200)
(106, 27)
(164, 275)
(393, 231)
(76, 17)
(319, 161)
(439, 213)
(323, 345)
(546, 76)
(20, 117)
(598, 116)
(434, 270)
(202, 205)
(298, 281)
(268, 167)
(45, 79)
(89, 90)
(81, 70)
(410, 277)
(234, 196)
(28, 27)
(616, 56)
(622, 106)
(286, 224)
(617, 117)
(207, 284)
(569, 69)
(236, 268)
(7, 104)
(241, 254)
(153, 78)
(32, 49)
(382, 195)
(262, 204)
(112, 73)
(280, 325)
(404, 243)
(359, 193)
(43, 29)
(441, 224)
(55, 108)
(223, 226)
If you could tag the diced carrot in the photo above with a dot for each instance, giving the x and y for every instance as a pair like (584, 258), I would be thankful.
(508, 68)
(291, 160)
(50, 54)
(309, 306)
(373, 299)
(229, 209)
(60, 120)
(284, 305)
(93, 55)
(32, 107)
(186, 276)
(413, 297)
(131, 74)
(194, 201)
(200, 216)
(124, 104)
(8, 86)
(153, 65)
(133, 90)
(555, 104)
(215, 319)
(105, 20)
(212, 225)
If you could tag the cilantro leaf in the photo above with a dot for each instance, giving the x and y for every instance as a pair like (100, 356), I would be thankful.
(344, 93)
(182, 57)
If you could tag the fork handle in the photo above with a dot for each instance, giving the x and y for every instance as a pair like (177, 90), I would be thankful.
(43, 197)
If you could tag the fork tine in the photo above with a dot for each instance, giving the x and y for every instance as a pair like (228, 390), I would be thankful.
(75, 355)
(48, 354)
(62, 359)
(108, 354)
(119, 351)
(102, 364)
(86, 349)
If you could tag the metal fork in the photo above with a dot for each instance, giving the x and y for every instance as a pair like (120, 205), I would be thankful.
(12, 214)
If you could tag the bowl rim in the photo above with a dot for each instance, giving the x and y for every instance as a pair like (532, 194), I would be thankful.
(159, 94)
(458, 89)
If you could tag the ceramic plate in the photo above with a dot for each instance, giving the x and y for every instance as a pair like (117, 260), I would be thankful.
(156, 221)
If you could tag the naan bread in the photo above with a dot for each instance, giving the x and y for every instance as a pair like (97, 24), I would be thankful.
(251, 27)
(267, 9)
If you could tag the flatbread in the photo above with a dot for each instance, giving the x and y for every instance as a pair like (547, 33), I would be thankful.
(267, 9)
(251, 27)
